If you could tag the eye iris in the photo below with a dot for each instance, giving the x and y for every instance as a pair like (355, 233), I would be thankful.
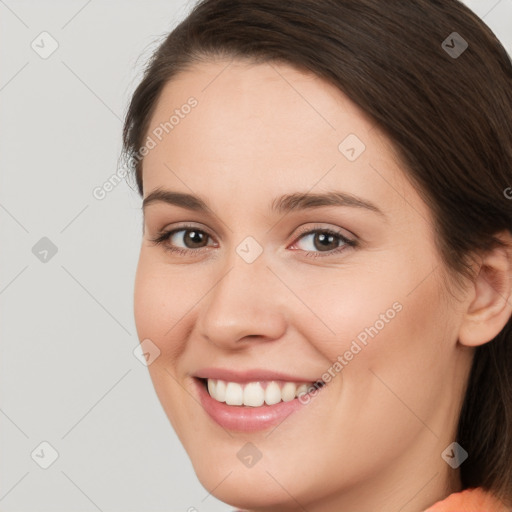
(192, 238)
(325, 239)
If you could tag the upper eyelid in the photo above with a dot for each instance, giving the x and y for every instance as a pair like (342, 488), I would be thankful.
(175, 230)
(316, 227)
(302, 230)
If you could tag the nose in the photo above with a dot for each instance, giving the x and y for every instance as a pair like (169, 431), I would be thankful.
(247, 303)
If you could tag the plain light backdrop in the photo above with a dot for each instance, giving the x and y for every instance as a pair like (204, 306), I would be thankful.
(68, 375)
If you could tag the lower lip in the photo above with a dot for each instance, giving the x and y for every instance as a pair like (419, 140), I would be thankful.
(245, 418)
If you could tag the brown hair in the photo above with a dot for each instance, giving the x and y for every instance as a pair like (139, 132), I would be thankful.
(450, 120)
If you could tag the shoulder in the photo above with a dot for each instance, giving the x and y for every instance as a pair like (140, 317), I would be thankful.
(474, 499)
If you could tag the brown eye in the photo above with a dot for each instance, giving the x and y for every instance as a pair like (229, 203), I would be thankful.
(184, 240)
(323, 241)
(193, 238)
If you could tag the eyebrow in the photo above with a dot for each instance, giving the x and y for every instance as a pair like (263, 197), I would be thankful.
(283, 204)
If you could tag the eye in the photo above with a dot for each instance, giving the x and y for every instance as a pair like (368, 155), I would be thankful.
(319, 242)
(191, 238)
(324, 242)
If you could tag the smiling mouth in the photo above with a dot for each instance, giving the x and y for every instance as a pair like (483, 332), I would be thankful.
(257, 393)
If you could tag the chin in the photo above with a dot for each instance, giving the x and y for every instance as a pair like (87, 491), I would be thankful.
(246, 489)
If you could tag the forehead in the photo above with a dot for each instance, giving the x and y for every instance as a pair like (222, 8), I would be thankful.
(258, 106)
(267, 128)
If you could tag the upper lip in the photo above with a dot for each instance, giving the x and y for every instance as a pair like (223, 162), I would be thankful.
(249, 375)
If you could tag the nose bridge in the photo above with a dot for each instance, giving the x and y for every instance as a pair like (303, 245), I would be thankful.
(244, 300)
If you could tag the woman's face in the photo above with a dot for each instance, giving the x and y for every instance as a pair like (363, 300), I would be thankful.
(261, 283)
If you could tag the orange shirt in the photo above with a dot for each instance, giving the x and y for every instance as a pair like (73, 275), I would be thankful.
(470, 500)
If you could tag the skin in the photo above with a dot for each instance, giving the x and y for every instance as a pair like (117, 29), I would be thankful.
(372, 439)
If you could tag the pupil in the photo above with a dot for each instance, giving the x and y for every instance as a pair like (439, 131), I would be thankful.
(325, 240)
(195, 237)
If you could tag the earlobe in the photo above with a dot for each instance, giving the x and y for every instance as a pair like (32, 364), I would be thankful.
(491, 305)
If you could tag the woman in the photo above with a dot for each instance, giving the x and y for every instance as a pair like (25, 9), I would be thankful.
(325, 271)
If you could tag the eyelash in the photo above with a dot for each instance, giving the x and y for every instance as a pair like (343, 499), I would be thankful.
(163, 236)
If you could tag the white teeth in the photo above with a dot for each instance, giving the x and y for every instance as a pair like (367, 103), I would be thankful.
(288, 391)
(272, 393)
(220, 390)
(253, 394)
(212, 384)
(303, 388)
(234, 394)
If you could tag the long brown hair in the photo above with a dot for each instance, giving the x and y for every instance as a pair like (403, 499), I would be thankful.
(447, 110)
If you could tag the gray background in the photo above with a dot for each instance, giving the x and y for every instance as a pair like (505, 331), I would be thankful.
(68, 374)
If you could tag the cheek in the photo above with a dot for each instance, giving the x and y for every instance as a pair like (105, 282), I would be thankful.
(149, 293)
(389, 323)
(348, 304)
(390, 360)
(161, 302)
(392, 295)
(396, 358)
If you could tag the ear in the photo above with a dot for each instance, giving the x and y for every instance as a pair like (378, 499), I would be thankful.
(490, 305)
